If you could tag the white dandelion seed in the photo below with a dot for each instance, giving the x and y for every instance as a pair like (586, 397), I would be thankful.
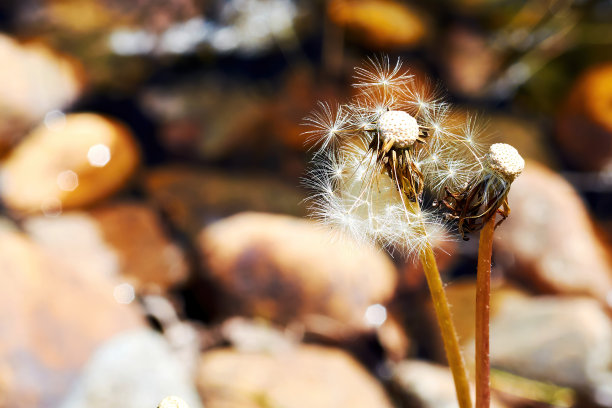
(396, 140)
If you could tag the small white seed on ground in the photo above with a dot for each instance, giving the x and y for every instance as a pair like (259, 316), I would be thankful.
(172, 402)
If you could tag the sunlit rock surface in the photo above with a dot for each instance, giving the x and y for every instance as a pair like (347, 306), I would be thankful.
(52, 317)
(124, 239)
(584, 128)
(379, 24)
(549, 241)
(132, 370)
(426, 385)
(305, 377)
(35, 81)
(285, 269)
(71, 161)
(567, 341)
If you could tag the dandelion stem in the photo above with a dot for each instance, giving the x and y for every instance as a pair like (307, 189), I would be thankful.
(449, 334)
(483, 296)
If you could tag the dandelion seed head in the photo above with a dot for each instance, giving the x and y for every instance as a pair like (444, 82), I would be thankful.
(377, 153)
(505, 160)
(398, 127)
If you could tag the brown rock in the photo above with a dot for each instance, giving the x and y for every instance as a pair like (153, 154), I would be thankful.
(34, 80)
(567, 341)
(309, 376)
(461, 296)
(548, 240)
(524, 135)
(284, 269)
(584, 129)
(426, 385)
(380, 24)
(192, 197)
(51, 317)
(469, 61)
(72, 162)
(121, 238)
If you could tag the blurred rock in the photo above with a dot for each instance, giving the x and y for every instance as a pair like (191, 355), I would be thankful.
(121, 238)
(246, 335)
(194, 123)
(584, 126)
(309, 376)
(461, 296)
(425, 385)
(564, 341)
(35, 81)
(146, 253)
(548, 241)
(393, 339)
(469, 61)
(379, 24)
(132, 370)
(71, 161)
(524, 135)
(193, 197)
(567, 341)
(52, 317)
(285, 269)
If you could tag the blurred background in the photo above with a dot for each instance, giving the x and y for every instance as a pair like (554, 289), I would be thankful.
(153, 233)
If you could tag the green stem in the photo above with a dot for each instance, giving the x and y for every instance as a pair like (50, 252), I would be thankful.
(483, 296)
(449, 334)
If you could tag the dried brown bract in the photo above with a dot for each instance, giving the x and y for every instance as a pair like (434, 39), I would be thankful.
(487, 194)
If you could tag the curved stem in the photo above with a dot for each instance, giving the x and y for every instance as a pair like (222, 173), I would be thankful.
(483, 296)
(449, 334)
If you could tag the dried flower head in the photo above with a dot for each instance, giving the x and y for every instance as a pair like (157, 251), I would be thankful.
(395, 142)
(487, 194)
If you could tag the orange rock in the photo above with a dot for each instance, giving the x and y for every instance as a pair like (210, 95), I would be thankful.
(34, 80)
(286, 269)
(380, 24)
(145, 252)
(548, 241)
(52, 318)
(584, 127)
(72, 162)
(469, 61)
(125, 239)
(306, 377)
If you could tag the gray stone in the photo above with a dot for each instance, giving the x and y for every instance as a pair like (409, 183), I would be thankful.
(136, 369)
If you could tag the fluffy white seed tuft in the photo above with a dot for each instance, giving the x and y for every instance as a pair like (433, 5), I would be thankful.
(351, 189)
(399, 127)
(505, 160)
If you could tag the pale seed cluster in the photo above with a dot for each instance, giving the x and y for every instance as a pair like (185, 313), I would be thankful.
(505, 161)
(396, 133)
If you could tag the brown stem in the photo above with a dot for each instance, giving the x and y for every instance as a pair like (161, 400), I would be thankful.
(447, 329)
(483, 296)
